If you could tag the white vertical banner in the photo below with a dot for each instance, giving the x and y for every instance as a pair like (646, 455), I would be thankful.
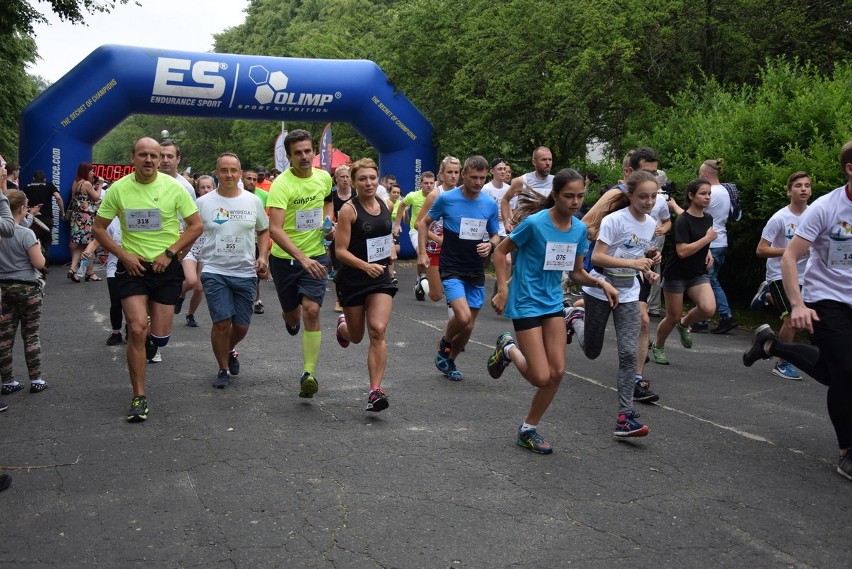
(281, 161)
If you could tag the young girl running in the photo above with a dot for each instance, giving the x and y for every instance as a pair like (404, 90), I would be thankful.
(363, 244)
(686, 273)
(548, 240)
(21, 260)
(624, 237)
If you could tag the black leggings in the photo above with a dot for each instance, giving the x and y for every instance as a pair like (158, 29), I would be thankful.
(115, 312)
(829, 362)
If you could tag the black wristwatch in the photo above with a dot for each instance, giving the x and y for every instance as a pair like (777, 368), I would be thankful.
(170, 254)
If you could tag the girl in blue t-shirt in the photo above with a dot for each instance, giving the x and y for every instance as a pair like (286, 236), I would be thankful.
(549, 240)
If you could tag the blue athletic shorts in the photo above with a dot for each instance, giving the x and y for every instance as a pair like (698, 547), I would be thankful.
(457, 288)
(229, 297)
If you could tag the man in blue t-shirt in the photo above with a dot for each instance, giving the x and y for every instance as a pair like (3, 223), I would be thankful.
(470, 235)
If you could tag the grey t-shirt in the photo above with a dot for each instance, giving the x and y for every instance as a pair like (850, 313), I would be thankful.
(7, 222)
(15, 262)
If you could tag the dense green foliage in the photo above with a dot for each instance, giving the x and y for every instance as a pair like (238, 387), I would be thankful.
(502, 78)
(18, 49)
(794, 119)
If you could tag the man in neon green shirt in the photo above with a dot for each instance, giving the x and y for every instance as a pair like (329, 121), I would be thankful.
(299, 200)
(149, 270)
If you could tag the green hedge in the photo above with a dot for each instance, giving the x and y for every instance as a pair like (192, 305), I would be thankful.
(794, 118)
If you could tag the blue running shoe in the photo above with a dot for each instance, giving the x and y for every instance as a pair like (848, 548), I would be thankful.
(531, 440)
(453, 374)
(759, 300)
(627, 426)
(443, 357)
(787, 371)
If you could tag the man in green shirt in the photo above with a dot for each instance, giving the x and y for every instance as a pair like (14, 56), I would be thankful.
(148, 204)
(299, 200)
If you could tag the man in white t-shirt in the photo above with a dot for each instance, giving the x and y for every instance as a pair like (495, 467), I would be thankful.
(233, 220)
(823, 307)
(169, 162)
(779, 231)
(539, 180)
(497, 188)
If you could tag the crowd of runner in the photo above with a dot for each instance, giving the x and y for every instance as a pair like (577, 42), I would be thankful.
(168, 237)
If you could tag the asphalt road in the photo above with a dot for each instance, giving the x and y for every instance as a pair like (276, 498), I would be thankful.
(738, 469)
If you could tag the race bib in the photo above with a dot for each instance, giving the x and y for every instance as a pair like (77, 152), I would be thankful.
(623, 272)
(472, 229)
(379, 248)
(559, 256)
(840, 254)
(143, 219)
(308, 219)
(230, 245)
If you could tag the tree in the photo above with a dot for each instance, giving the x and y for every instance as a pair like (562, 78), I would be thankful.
(17, 49)
(19, 15)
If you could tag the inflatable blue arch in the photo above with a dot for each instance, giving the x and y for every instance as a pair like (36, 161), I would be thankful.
(59, 127)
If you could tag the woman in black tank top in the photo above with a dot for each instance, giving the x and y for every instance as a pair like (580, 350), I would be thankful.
(364, 246)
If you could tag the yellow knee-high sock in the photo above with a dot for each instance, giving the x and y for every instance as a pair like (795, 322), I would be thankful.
(310, 349)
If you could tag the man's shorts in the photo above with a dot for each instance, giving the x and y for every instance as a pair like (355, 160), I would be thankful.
(678, 286)
(229, 297)
(434, 259)
(413, 237)
(162, 288)
(455, 289)
(779, 298)
(292, 282)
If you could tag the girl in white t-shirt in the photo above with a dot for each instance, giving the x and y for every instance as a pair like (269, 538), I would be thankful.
(625, 236)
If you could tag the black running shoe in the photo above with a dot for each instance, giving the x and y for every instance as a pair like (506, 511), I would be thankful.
(294, 330)
(234, 362)
(150, 349)
(377, 400)
(642, 392)
(138, 409)
(725, 325)
(114, 339)
(221, 381)
(190, 321)
(419, 293)
(762, 335)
